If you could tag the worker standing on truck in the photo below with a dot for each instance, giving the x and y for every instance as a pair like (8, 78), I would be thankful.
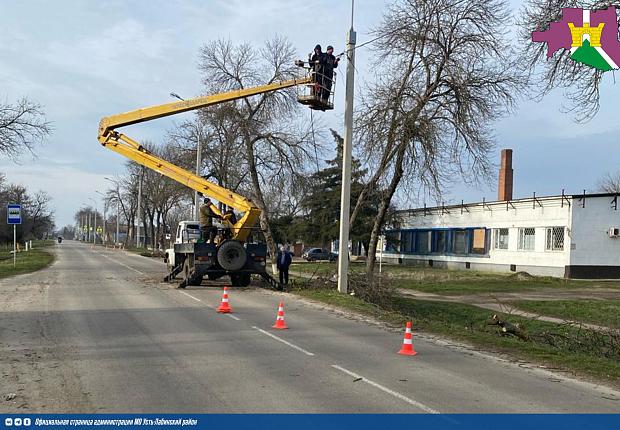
(207, 230)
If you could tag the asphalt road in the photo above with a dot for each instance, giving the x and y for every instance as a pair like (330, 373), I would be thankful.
(99, 332)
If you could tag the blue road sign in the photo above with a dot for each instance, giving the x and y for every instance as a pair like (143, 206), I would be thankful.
(13, 214)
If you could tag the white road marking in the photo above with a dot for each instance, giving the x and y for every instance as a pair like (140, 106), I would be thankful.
(284, 341)
(234, 317)
(189, 295)
(118, 262)
(422, 406)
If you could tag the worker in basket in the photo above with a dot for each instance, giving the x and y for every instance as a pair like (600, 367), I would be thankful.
(330, 62)
(317, 61)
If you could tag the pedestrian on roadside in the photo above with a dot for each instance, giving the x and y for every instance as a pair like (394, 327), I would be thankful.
(283, 262)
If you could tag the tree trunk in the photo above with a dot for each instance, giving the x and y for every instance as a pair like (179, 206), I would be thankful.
(260, 201)
(383, 208)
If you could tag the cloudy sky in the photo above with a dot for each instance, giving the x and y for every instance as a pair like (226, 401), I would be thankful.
(83, 60)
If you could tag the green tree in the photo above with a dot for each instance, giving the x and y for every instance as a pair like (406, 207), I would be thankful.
(322, 204)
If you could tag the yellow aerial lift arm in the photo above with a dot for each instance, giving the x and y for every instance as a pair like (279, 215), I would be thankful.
(122, 144)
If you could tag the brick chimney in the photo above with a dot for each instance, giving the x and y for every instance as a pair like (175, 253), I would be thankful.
(504, 189)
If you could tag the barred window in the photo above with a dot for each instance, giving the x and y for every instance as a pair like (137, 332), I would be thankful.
(500, 238)
(555, 239)
(527, 238)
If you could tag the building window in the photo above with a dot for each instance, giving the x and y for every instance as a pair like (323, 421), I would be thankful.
(392, 241)
(440, 241)
(527, 238)
(555, 239)
(479, 241)
(500, 238)
(406, 242)
(459, 243)
(422, 242)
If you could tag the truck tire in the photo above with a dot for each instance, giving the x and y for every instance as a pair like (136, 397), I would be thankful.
(185, 274)
(231, 255)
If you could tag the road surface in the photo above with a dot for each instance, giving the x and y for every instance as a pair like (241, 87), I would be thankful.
(99, 332)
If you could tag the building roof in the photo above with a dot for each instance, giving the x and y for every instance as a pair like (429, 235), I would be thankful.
(533, 199)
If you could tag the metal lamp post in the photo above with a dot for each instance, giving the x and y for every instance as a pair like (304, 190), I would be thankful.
(95, 227)
(87, 222)
(198, 161)
(105, 218)
(118, 207)
(139, 209)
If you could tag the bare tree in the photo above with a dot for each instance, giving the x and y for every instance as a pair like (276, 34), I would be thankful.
(580, 82)
(219, 132)
(22, 127)
(609, 183)
(446, 74)
(274, 145)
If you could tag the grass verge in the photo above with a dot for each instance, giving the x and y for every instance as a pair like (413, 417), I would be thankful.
(454, 282)
(601, 312)
(26, 262)
(556, 346)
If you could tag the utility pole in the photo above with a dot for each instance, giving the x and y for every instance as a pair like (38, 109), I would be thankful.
(345, 196)
(198, 169)
(105, 218)
(139, 209)
(118, 210)
(95, 229)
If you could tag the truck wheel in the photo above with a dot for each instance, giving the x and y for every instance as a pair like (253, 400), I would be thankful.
(186, 274)
(231, 255)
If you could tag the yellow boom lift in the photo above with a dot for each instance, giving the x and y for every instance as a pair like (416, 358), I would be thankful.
(234, 256)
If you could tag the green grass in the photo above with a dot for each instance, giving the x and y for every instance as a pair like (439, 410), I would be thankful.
(453, 282)
(486, 284)
(26, 262)
(462, 322)
(601, 312)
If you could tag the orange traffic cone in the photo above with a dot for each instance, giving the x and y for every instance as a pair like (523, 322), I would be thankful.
(407, 348)
(280, 324)
(224, 306)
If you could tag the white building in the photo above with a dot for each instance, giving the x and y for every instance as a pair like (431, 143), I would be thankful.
(572, 236)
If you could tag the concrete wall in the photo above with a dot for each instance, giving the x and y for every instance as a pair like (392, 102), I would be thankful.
(590, 240)
(479, 265)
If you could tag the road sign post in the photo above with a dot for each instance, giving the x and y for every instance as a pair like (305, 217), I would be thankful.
(14, 217)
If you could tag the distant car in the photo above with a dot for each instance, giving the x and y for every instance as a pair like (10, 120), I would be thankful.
(316, 254)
